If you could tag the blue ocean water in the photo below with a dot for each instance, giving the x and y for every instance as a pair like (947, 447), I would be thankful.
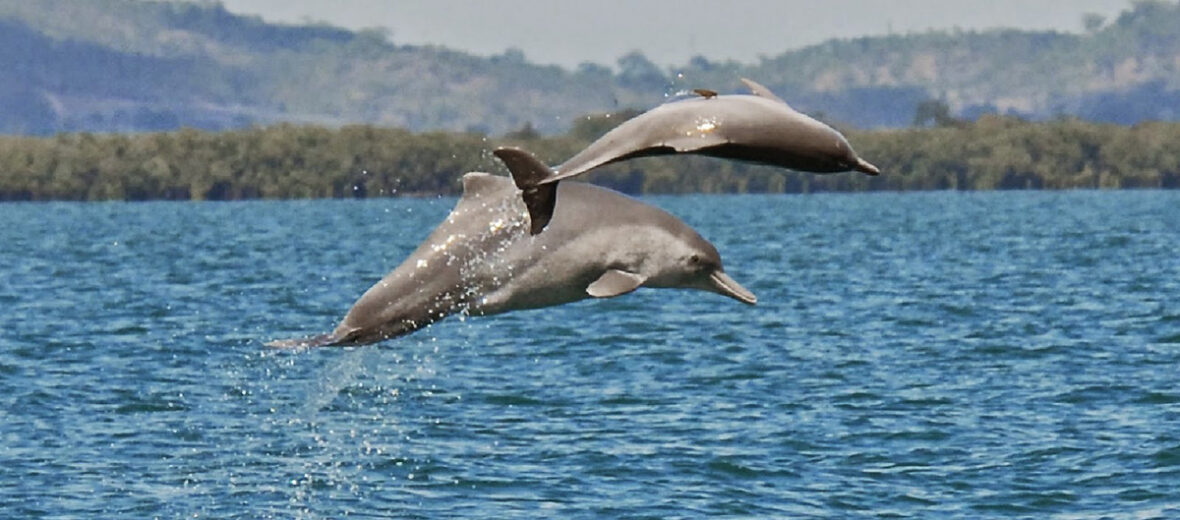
(924, 355)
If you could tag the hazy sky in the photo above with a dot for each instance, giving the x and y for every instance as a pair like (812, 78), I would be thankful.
(669, 32)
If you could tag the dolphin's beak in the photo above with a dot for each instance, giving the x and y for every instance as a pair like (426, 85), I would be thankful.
(865, 167)
(722, 284)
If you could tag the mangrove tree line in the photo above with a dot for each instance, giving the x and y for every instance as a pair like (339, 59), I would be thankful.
(291, 161)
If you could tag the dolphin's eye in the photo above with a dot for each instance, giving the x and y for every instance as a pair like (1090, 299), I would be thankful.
(698, 263)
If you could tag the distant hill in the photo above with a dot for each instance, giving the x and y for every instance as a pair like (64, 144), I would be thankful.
(129, 65)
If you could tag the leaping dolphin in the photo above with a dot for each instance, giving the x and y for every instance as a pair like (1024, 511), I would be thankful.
(480, 260)
(758, 127)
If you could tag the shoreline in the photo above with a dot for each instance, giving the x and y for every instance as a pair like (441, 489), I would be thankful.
(312, 162)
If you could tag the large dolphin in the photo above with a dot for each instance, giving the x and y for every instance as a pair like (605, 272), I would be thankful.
(480, 260)
(758, 127)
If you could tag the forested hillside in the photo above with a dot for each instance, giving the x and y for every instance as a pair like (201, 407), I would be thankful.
(128, 65)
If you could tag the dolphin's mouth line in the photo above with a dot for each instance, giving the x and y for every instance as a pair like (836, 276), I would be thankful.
(866, 167)
(724, 285)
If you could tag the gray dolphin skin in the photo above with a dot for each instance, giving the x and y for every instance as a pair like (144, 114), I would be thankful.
(758, 127)
(481, 260)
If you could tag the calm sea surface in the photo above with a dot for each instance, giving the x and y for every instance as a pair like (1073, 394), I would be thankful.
(911, 355)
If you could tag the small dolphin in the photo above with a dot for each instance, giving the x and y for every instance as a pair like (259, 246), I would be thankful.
(481, 261)
(758, 128)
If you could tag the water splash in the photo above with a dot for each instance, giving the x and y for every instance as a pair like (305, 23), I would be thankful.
(342, 372)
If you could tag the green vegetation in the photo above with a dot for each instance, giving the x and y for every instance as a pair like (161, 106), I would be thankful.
(288, 161)
(137, 65)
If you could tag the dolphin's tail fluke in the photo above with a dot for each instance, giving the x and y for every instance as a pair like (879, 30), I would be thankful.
(322, 340)
(540, 200)
(526, 169)
(529, 174)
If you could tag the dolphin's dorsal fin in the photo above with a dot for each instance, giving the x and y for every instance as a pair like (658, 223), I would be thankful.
(615, 282)
(705, 93)
(761, 91)
(475, 183)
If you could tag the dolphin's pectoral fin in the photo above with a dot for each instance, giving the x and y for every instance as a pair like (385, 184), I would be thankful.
(761, 91)
(540, 201)
(615, 282)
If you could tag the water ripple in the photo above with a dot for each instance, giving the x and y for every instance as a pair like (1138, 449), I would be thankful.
(912, 355)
